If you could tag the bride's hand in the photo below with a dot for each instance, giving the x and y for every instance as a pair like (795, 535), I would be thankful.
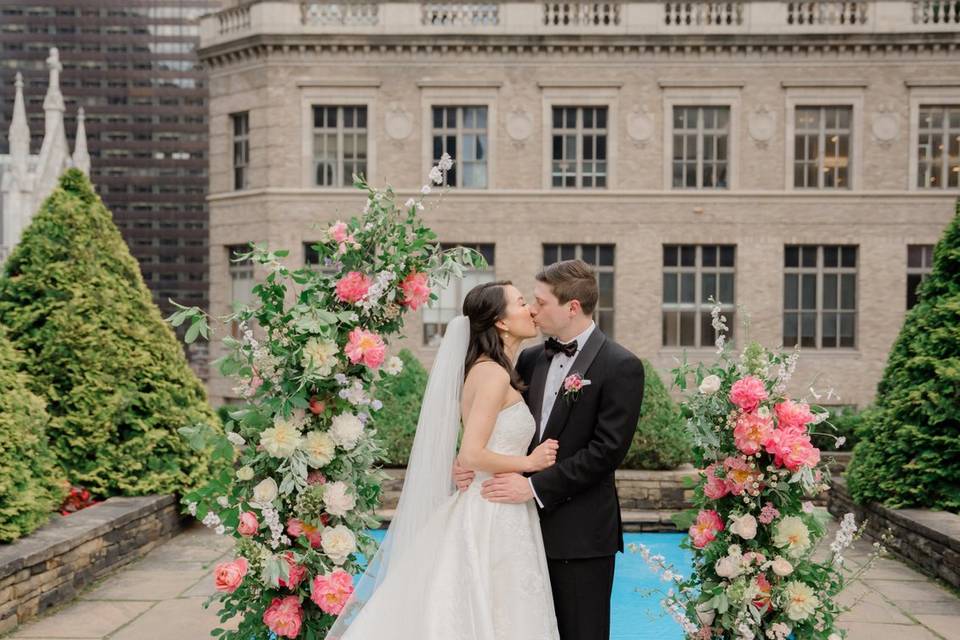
(545, 455)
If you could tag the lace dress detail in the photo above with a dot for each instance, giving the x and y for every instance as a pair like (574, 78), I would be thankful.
(477, 571)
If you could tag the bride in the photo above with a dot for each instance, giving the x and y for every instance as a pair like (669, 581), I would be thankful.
(454, 566)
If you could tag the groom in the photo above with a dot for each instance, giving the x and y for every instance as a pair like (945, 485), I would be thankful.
(577, 497)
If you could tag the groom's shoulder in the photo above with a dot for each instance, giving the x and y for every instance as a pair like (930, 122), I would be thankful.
(529, 354)
(618, 353)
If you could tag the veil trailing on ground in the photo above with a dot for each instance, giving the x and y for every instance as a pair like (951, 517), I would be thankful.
(428, 481)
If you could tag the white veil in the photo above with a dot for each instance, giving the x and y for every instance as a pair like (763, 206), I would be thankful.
(428, 480)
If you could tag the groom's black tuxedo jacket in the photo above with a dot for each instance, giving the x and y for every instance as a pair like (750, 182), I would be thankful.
(580, 517)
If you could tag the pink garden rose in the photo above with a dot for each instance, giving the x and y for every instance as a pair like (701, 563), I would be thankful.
(339, 232)
(751, 431)
(415, 289)
(366, 347)
(228, 575)
(331, 591)
(297, 572)
(792, 449)
(284, 616)
(248, 524)
(740, 475)
(793, 415)
(747, 393)
(353, 287)
(715, 488)
(705, 529)
(297, 528)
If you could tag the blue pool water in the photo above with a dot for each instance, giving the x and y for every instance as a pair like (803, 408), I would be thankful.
(635, 614)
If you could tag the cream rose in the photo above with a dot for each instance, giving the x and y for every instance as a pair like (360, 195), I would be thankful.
(728, 567)
(346, 430)
(781, 566)
(745, 526)
(800, 602)
(337, 499)
(265, 492)
(244, 473)
(319, 356)
(320, 448)
(710, 385)
(281, 440)
(791, 533)
(338, 543)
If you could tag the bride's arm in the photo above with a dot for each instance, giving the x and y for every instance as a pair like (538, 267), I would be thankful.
(491, 383)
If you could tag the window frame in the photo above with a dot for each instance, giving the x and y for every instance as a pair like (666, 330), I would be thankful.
(577, 254)
(698, 306)
(819, 271)
(580, 94)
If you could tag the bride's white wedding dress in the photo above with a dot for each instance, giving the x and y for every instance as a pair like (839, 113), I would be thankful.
(476, 571)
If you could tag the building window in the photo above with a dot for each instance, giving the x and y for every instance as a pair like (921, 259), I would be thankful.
(700, 147)
(579, 147)
(241, 283)
(339, 144)
(449, 304)
(601, 258)
(919, 265)
(821, 152)
(462, 132)
(693, 275)
(241, 148)
(938, 152)
(820, 296)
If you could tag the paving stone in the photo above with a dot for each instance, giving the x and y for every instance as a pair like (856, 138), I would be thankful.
(148, 584)
(946, 626)
(179, 619)
(879, 631)
(900, 591)
(89, 620)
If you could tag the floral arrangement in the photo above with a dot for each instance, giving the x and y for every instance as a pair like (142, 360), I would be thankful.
(299, 489)
(753, 531)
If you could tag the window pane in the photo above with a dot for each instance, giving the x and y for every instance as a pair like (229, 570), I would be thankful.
(688, 328)
(687, 287)
(708, 287)
(791, 290)
(809, 291)
(848, 291)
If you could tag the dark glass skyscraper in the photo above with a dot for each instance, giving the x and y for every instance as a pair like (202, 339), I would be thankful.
(132, 65)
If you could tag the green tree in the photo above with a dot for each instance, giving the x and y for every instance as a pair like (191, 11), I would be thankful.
(98, 351)
(31, 485)
(396, 422)
(661, 441)
(909, 449)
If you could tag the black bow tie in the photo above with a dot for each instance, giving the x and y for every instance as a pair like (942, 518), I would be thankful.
(553, 346)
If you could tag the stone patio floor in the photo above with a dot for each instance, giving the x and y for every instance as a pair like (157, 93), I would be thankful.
(160, 598)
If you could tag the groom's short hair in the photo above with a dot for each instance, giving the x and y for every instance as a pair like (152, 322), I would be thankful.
(572, 280)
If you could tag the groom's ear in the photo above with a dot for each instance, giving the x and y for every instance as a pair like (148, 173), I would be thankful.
(576, 307)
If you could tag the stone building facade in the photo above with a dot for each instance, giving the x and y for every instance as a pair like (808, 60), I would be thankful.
(795, 160)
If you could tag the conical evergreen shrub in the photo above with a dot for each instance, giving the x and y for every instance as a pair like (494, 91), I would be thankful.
(98, 351)
(31, 485)
(909, 449)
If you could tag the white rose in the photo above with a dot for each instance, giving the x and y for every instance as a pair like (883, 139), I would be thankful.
(710, 385)
(244, 473)
(320, 448)
(337, 499)
(338, 543)
(265, 492)
(781, 566)
(393, 367)
(745, 527)
(346, 430)
(728, 567)
(282, 439)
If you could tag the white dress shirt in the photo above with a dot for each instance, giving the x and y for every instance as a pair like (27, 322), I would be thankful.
(558, 371)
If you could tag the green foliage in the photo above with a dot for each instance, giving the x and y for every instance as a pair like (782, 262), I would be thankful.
(909, 454)
(396, 422)
(97, 350)
(31, 485)
(843, 423)
(661, 440)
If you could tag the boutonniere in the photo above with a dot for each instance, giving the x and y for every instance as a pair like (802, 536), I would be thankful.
(573, 384)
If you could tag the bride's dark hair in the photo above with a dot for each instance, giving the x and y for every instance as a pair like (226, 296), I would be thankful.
(484, 305)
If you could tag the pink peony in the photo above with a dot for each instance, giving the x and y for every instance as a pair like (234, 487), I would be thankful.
(415, 290)
(353, 287)
(769, 513)
(715, 488)
(228, 575)
(297, 572)
(339, 232)
(751, 431)
(705, 529)
(793, 415)
(366, 347)
(747, 393)
(248, 524)
(330, 592)
(792, 449)
(740, 475)
(297, 528)
(284, 616)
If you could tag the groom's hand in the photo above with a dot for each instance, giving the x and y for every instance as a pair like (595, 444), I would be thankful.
(511, 488)
(462, 476)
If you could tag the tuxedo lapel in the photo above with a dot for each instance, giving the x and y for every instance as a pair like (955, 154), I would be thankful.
(535, 391)
(561, 408)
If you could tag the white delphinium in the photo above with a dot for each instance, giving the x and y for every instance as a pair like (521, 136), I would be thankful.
(446, 162)
(718, 322)
(272, 517)
(192, 508)
(785, 371)
(436, 175)
(844, 538)
(211, 519)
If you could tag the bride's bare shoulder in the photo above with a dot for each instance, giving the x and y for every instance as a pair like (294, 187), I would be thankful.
(486, 375)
